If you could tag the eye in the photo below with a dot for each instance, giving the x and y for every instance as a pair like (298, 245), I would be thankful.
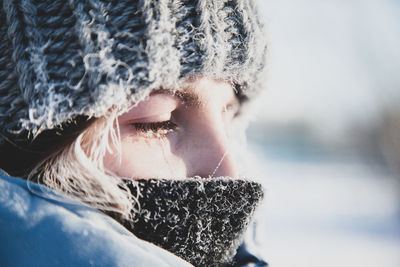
(151, 118)
(232, 110)
(155, 129)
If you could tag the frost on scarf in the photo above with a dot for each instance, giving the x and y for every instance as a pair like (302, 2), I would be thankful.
(200, 220)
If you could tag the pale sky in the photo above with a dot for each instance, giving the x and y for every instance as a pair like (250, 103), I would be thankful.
(330, 62)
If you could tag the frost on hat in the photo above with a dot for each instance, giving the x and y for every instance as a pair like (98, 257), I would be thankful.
(60, 59)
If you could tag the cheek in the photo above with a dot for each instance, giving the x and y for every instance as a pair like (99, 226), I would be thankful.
(143, 158)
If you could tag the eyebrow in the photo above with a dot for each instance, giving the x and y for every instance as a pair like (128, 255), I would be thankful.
(188, 97)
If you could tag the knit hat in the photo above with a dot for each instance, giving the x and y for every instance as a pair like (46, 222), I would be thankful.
(63, 58)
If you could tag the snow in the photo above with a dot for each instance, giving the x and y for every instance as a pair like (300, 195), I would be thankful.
(328, 213)
(330, 62)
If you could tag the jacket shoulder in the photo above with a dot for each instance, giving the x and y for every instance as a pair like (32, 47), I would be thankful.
(40, 231)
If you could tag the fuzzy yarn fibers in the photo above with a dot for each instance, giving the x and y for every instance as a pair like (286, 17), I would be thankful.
(63, 58)
(200, 220)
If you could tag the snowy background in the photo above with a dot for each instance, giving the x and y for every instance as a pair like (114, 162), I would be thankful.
(327, 138)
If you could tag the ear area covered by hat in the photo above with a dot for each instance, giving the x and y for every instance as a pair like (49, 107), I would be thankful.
(62, 59)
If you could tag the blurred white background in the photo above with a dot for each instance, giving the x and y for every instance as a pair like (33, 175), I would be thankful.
(328, 133)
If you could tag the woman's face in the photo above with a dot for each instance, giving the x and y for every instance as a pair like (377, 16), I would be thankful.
(177, 135)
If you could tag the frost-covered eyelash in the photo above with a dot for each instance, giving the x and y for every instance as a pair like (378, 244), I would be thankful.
(155, 128)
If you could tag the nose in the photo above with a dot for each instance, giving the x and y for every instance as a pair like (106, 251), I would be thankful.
(210, 152)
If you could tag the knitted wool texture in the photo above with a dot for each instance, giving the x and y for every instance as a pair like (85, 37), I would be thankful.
(64, 58)
(200, 220)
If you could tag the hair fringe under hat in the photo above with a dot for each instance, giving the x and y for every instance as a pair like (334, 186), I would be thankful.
(60, 59)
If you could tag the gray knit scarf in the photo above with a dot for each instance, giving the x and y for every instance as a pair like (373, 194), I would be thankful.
(199, 220)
